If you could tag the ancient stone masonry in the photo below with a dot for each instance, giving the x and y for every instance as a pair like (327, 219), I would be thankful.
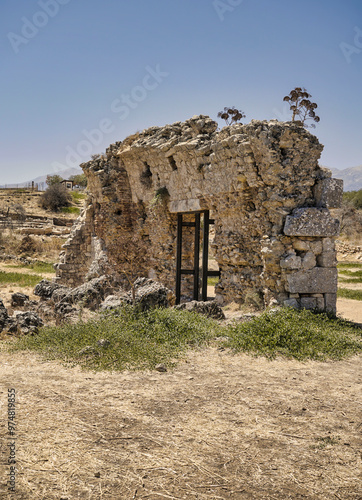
(261, 182)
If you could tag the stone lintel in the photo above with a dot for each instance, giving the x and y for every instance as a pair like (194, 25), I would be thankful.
(191, 205)
(317, 280)
(328, 193)
(311, 222)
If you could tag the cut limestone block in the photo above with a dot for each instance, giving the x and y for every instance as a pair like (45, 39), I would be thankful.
(311, 222)
(328, 193)
(317, 280)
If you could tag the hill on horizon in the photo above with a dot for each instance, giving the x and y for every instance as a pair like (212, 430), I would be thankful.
(352, 177)
(40, 180)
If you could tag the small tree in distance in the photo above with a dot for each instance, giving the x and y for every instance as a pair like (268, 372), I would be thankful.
(53, 179)
(302, 108)
(231, 115)
(55, 197)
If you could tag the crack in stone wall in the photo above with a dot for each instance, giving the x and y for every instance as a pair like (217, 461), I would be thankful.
(263, 186)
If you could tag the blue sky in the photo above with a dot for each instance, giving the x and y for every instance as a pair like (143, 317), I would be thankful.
(77, 75)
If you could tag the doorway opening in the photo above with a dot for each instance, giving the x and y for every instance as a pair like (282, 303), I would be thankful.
(200, 271)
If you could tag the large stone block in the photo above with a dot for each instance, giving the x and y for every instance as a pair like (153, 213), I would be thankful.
(311, 222)
(191, 205)
(317, 280)
(328, 193)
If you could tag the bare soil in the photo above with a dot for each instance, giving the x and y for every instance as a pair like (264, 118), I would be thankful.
(217, 427)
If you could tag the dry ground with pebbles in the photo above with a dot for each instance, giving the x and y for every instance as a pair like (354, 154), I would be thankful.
(216, 427)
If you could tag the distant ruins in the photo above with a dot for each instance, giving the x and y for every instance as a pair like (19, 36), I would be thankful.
(155, 196)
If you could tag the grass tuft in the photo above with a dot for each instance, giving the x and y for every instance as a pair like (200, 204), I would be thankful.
(137, 340)
(38, 267)
(295, 334)
(70, 210)
(346, 293)
(141, 340)
(19, 279)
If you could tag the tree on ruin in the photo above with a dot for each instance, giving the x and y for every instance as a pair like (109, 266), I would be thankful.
(302, 107)
(231, 115)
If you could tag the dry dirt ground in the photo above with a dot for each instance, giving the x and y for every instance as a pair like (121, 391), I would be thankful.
(216, 427)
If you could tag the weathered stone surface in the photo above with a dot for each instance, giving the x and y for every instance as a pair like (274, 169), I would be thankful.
(309, 261)
(308, 303)
(317, 280)
(210, 308)
(46, 288)
(19, 299)
(111, 302)
(27, 323)
(327, 259)
(292, 303)
(328, 193)
(150, 294)
(328, 245)
(316, 247)
(90, 294)
(311, 222)
(3, 315)
(251, 178)
(331, 303)
(291, 262)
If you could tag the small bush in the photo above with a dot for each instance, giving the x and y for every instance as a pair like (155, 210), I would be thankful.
(55, 197)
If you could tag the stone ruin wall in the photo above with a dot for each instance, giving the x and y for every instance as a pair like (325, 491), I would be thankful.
(274, 233)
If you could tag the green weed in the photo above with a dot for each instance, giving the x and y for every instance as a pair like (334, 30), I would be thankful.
(19, 279)
(38, 267)
(70, 210)
(346, 293)
(136, 340)
(295, 334)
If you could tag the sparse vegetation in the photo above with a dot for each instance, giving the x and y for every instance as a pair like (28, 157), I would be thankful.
(346, 293)
(302, 108)
(295, 334)
(56, 197)
(70, 210)
(353, 198)
(77, 196)
(79, 180)
(19, 279)
(38, 266)
(136, 340)
(231, 115)
(140, 340)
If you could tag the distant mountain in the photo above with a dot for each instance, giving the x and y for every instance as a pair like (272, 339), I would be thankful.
(42, 178)
(352, 177)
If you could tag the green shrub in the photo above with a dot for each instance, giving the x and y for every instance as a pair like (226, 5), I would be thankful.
(137, 340)
(55, 197)
(298, 334)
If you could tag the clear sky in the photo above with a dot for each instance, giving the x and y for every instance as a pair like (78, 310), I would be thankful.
(77, 75)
